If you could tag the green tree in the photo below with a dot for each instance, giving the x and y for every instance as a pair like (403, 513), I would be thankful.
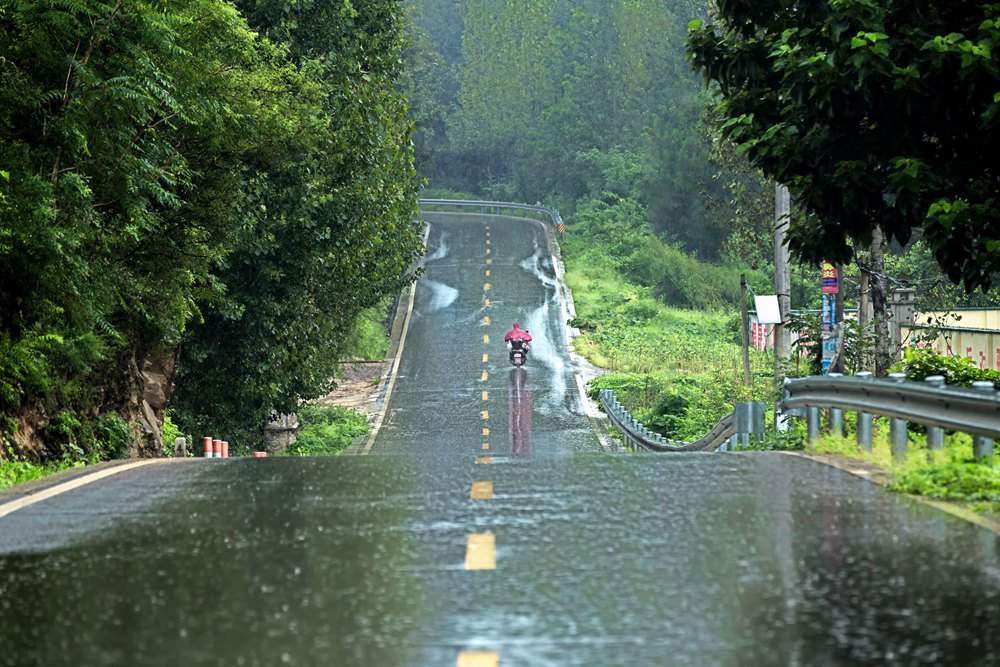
(330, 223)
(874, 114)
(123, 126)
(741, 203)
(426, 83)
(177, 186)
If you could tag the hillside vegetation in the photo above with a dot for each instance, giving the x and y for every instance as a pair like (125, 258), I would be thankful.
(197, 200)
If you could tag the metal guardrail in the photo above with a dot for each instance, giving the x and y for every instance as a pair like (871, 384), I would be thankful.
(732, 431)
(551, 212)
(975, 411)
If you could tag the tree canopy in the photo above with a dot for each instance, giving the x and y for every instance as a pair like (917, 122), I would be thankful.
(174, 182)
(549, 91)
(874, 113)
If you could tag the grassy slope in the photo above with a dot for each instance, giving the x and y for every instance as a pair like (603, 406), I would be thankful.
(680, 370)
(677, 370)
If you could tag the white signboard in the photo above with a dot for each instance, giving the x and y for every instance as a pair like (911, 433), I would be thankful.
(767, 309)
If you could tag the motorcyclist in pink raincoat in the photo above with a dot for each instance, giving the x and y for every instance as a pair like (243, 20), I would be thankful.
(517, 338)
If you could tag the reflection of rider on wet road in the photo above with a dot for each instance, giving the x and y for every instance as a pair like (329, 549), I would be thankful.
(519, 412)
(517, 338)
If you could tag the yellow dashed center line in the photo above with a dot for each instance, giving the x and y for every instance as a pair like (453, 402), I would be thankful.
(487, 240)
(481, 552)
(481, 490)
(478, 659)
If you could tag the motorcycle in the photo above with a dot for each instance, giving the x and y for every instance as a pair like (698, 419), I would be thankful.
(518, 352)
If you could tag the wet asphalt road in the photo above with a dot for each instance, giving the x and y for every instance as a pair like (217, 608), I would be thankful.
(600, 558)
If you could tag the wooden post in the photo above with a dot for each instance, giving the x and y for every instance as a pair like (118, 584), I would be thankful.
(746, 329)
(782, 281)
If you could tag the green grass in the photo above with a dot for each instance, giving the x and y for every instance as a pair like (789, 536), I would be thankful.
(950, 474)
(16, 472)
(677, 370)
(326, 430)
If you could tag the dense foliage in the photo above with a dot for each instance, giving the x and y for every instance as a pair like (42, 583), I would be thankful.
(326, 430)
(333, 230)
(677, 370)
(959, 371)
(874, 114)
(543, 98)
(175, 185)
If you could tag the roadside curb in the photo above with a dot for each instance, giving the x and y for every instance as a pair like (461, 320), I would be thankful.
(880, 476)
(400, 323)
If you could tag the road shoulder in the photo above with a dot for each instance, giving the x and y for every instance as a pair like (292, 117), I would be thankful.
(880, 476)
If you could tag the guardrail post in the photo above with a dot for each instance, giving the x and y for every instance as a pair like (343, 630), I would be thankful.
(741, 421)
(982, 446)
(897, 427)
(757, 409)
(864, 433)
(836, 415)
(935, 434)
(812, 425)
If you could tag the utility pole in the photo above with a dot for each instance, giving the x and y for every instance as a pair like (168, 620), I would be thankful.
(782, 281)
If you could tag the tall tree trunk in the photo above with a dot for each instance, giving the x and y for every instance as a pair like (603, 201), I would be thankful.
(880, 312)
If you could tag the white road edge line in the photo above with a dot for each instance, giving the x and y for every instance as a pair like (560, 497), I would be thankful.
(380, 418)
(69, 485)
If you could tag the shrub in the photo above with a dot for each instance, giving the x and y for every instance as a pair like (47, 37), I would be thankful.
(368, 340)
(102, 439)
(18, 471)
(961, 371)
(954, 480)
(326, 430)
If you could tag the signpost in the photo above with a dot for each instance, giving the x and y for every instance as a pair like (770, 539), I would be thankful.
(830, 339)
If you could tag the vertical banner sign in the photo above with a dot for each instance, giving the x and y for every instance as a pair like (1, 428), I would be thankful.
(830, 287)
